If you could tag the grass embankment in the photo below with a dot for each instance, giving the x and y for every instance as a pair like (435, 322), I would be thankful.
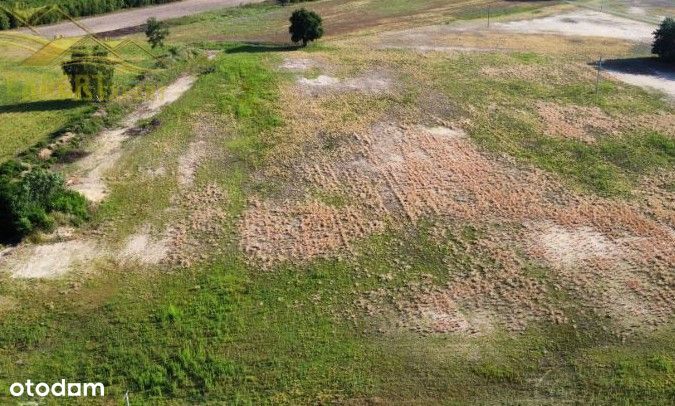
(225, 331)
(36, 102)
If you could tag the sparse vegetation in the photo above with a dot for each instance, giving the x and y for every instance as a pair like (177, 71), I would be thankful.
(156, 32)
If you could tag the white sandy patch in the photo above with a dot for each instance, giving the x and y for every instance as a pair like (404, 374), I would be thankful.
(298, 64)
(89, 178)
(52, 260)
(637, 11)
(368, 83)
(570, 246)
(583, 23)
(188, 163)
(143, 248)
(659, 80)
(320, 81)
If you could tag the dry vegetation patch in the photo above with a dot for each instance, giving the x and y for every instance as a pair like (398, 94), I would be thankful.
(575, 122)
(50, 260)
(607, 254)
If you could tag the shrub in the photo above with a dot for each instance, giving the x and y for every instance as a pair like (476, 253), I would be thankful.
(4, 21)
(28, 199)
(90, 73)
(306, 26)
(156, 31)
(664, 40)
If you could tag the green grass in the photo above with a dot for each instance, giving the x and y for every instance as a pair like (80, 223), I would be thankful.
(36, 101)
(225, 331)
(507, 121)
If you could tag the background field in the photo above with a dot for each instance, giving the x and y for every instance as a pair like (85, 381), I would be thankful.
(35, 95)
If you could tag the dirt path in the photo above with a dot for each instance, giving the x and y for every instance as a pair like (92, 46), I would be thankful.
(56, 258)
(135, 17)
(88, 178)
(645, 75)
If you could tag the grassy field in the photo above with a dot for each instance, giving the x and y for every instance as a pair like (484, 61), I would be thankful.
(216, 324)
(36, 101)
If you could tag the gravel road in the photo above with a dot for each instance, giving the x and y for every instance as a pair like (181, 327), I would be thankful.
(134, 17)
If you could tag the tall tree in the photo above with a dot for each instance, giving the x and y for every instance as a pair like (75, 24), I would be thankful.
(664, 40)
(306, 26)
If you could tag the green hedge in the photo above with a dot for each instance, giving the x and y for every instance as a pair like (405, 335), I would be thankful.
(74, 8)
(30, 197)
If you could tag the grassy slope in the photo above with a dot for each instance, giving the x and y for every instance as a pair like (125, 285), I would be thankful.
(27, 113)
(36, 101)
(226, 331)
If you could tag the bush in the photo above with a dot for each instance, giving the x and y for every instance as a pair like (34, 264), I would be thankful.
(27, 201)
(4, 21)
(90, 73)
(156, 32)
(305, 26)
(664, 40)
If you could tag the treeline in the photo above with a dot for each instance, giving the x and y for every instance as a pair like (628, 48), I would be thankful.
(38, 12)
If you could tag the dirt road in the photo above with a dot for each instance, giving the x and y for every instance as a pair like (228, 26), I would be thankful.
(135, 17)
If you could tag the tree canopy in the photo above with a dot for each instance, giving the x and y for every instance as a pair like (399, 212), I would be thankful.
(306, 26)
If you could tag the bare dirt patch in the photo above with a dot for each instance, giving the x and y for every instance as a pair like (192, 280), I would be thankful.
(50, 260)
(89, 176)
(400, 174)
(189, 162)
(299, 64)
(142, 247)
(196, 233)
(575, 122)
(582, 23)
(372, 82)
(573, 245)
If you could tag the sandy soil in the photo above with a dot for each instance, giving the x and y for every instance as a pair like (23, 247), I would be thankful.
(142, 247)
(655, 79)
(582, 23)
(50, 260)
(608, 253)
(575, 122)
(371, 82)
(136, 17)
(298, 64)
(89, 175)
(54, 259)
